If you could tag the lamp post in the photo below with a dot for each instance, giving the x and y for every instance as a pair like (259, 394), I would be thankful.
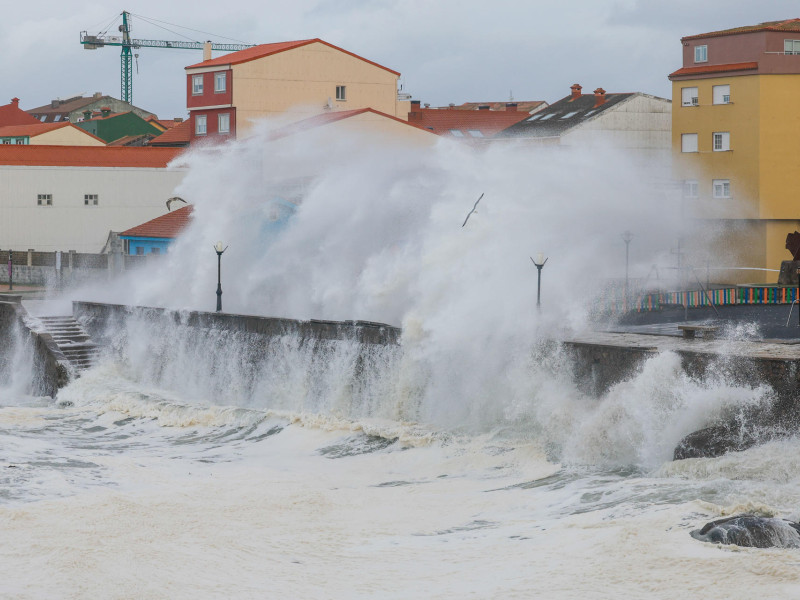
(627, 237)
(219, 249)
(10, 271)
(541, 259)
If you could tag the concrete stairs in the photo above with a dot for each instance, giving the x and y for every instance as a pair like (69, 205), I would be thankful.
(72, 340)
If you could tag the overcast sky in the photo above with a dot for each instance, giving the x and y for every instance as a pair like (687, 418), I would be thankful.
(447, 50)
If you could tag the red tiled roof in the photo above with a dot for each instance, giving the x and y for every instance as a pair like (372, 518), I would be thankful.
(443, 121)
(166, 226)
(30, 130)
(262, 50)
(86, 156)
(12, 114)
(179, 134)
(786, 25)
(326, 118)
(746, 66)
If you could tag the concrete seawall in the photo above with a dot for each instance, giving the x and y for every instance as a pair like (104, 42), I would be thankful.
(49, 370)
(99, 319)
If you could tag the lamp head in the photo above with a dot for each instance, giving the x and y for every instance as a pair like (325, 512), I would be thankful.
(219, 247)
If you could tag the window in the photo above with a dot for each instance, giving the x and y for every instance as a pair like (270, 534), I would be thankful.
(689, 142)
(90, 199)
(791, 46)
(224, 123)
(690, 188)
(21, 141)
(534, 117)
(7, 141)
(341, 92)
(570, 114)
(721, 188)
(689, 96)
(550, 116)
(457, 132)
(57, 118)
(44, 200)
(700, 54)
(721, 94)
(139, 250)
(722, 141)
(200, 125)
(42, 118)
(475, 133)
(591, 112)
(220, 82)
(155, 250)
(197, 85)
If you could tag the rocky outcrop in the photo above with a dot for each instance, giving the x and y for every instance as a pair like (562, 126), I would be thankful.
(751, 531)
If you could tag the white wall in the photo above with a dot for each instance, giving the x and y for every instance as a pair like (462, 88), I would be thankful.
(127, 197)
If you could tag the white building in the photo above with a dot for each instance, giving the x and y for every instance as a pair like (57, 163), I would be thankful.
(70, 197)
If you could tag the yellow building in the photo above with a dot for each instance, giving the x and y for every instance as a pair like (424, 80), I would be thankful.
(294, 80)
(48, 134)
(736, 140)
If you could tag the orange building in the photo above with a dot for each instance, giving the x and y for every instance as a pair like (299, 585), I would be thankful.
(226, 95)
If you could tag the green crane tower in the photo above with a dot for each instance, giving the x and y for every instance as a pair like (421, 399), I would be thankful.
(92, 42)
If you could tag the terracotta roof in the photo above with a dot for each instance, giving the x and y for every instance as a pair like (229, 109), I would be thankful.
(445, 122)
(86, 156)
(163, 123)
(65, 106)
(746, 66)
(787, 25)
(256, 52)
(166, 226)
(525, 106)
(137, 139)
(561, 116)
(325, 119)
(12, 114)
(179, 134)
(101, 117)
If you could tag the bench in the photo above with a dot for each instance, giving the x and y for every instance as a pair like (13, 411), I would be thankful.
(690, 331)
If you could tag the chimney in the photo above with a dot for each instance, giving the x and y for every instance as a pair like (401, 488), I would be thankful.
(105, 111)
(207, 51)
(511, 107)
(415, 115)
(178, 119)
(87, 114)
(98, 95)
(15, 102)
(599, 97)
(483, 107)
(576, 91)
(55, 103)
(451, 106)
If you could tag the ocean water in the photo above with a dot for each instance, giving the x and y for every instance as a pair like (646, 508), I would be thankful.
(304, 476)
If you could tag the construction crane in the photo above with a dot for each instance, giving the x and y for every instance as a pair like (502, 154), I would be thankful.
(92, 42)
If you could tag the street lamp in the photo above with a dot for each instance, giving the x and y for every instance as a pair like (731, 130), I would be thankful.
(627, 237)
(541, 259)
(219, 249)
(10, 271)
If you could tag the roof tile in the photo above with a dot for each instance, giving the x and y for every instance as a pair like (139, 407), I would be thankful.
(262, 50)
(745, 66)
(166, 226)
(86, 156)
(785, 25)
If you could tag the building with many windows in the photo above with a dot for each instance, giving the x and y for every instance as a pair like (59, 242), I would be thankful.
(290, 80)
(736, 140)
(71, 197)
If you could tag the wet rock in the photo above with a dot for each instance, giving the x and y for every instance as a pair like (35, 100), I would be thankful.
(751, 531)
(715, 441)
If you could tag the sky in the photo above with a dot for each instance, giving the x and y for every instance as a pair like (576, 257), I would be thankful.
(447, 50)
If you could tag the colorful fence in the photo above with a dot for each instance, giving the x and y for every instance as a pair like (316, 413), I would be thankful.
(612, 300)
(720, 297)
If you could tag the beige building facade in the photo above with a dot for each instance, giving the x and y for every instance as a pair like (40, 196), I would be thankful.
(227, 95)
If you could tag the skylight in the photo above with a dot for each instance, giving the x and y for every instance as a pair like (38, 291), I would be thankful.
(590, 112)
(457, 132)
(475, 133)
(550, 116)
(570, 114)
(534, 117)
